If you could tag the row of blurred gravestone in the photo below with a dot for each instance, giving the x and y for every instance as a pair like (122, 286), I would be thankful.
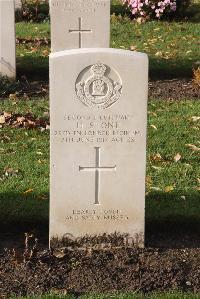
(67, 30)
(98, 126)
(7, 39)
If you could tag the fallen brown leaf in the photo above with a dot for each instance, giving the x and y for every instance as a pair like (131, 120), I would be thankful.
(169, 189)
(2, 119)
(28, 191)
(177, 157)
(20, 119)
(157, 157)
(195, 118)
(7, 114)
(193, 147)
(154, 127)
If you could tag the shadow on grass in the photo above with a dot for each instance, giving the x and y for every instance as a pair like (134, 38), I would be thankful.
(22, 214)
(37, 68)
(33, 68)
(171, 222)
(161, 69)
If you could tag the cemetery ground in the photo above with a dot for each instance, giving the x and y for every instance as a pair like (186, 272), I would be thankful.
(170, 261)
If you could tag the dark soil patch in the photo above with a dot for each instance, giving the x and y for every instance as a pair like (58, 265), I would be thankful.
(98, 264)
(176, 89)
(82, 270)
(22, 89)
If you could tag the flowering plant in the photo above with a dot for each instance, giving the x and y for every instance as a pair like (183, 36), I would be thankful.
(144, 8)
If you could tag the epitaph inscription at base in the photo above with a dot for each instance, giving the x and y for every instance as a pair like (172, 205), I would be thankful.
(79, 24)
(98, 142)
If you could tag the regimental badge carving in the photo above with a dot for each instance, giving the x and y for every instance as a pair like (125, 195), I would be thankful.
(98, 86)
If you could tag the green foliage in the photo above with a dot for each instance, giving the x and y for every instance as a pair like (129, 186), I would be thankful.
(182, 6)
(34, 11)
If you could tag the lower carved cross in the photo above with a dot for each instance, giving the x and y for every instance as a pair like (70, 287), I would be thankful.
(97, 169)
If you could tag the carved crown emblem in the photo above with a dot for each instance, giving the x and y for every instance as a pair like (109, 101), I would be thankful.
(99, 90)
(98, 69)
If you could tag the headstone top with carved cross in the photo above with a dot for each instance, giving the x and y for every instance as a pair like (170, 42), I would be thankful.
(79, 24)
(7, 38)
(98, 142)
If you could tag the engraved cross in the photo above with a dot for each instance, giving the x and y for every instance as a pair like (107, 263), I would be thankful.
(80, 31)
(97, 169)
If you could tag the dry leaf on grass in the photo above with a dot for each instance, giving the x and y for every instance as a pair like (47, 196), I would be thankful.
(159, 54)
(20, 119)
(28, 191)
(196, 73)
(2, 119)
(153, 127)
(169, 189)
(39, 153)
(177, 157)
(157, 157)
(7, 114)
(193, 147)
(133, 48)
(195, 118)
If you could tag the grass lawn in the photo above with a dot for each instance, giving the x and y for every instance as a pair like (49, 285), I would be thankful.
(24, 170)
(172, 47)
(172, 187)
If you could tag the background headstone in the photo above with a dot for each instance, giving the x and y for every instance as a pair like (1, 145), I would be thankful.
(98, 142)
(79, 24)
(7, 38)
(18, 4)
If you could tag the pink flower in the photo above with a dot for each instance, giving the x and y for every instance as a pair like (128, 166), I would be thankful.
(152, 7)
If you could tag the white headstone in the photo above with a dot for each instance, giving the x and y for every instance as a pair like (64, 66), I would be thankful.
(98, 142)
(18, 4)
(7, 38)
(79, 24)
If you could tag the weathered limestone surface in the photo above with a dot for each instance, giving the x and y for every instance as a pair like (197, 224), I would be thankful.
(98, 142)
(79, 24)
(7, 38)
